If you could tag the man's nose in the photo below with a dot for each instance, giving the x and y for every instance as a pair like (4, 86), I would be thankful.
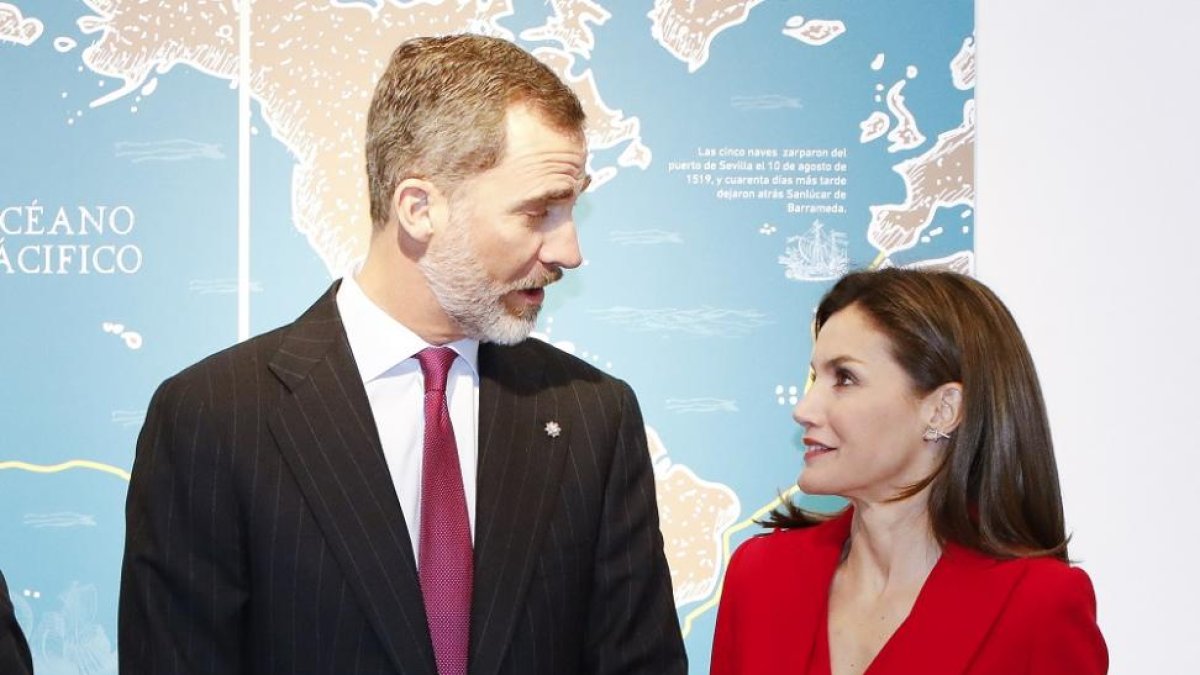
(560, 248)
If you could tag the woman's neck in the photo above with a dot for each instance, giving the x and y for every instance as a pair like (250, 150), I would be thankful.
(891, 543)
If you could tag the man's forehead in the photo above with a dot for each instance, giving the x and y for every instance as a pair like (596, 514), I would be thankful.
(531, 145)
(522, 115)
(527, 105)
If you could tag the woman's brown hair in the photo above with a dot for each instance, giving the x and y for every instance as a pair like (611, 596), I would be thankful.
(996, 490)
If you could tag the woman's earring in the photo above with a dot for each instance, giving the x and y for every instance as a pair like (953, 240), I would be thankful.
(933, 434)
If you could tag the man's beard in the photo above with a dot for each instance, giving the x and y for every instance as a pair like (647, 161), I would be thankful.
(470, 297)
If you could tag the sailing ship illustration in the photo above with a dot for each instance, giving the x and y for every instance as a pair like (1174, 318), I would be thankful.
(816, 255)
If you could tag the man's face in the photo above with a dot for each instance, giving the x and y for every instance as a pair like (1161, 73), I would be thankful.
(511, 232)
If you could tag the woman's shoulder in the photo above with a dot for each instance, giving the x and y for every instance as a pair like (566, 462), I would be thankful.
(768, 543)
(781, 545)
(1048, 576)
(781, 569)
(1054, 605)
(1050, 581)
(1044, 582)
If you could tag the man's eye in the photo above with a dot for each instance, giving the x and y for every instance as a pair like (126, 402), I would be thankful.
(535, 216)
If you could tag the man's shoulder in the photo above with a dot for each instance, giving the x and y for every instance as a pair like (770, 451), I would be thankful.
(257, 352)
(558, 363)
(254, 352)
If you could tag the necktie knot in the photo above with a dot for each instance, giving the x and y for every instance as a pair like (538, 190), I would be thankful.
(435, 365)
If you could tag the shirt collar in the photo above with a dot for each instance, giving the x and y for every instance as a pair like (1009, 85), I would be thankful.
(379, 342)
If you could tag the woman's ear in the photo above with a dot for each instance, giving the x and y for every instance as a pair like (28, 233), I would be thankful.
(944, 407)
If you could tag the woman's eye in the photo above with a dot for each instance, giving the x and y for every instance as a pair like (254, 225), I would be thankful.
(843, 378)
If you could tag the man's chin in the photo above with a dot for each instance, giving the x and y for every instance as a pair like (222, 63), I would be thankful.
(508, 327)
(510, 332)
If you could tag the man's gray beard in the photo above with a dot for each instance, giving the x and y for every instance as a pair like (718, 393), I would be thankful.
(463, 289)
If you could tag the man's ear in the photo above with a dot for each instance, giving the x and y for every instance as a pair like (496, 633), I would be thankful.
(414, 202)
(944, 407)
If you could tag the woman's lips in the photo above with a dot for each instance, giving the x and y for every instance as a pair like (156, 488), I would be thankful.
(815, 450)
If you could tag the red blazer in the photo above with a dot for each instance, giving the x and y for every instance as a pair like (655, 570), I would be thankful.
(975, 614)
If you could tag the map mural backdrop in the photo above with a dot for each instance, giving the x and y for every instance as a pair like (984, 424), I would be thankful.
(179, 175)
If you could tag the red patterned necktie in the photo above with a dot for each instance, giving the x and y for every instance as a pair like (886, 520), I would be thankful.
(446, 566)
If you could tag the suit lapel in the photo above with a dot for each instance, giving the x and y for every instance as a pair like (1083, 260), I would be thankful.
(520, 464)
(327, 436)
(963, 596)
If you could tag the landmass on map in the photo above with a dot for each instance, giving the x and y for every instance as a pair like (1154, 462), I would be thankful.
(962, 262)
(874, 126)
(941, 177)
(312, 70)
(607, 128)
(905, 135)
(568, 25)
(686, 28)
(694, 514)
(16, 28)
(962, 66)
(813, 32)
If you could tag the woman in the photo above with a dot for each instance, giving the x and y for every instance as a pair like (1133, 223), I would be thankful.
(14, 651)
(925, 413)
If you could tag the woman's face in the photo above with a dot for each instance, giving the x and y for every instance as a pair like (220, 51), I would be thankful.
(863, 423)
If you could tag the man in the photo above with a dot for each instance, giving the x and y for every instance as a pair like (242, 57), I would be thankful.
(320, 500)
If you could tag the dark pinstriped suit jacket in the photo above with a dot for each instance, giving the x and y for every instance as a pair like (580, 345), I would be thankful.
(264, 534)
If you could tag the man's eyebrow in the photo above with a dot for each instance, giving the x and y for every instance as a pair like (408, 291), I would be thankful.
(559, 195)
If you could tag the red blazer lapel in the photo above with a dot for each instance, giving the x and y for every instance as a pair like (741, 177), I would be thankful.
(812, 607)
(774, 596)
(798, 608)
(961, 600)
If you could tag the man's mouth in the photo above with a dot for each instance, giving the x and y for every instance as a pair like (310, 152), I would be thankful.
(533, 296)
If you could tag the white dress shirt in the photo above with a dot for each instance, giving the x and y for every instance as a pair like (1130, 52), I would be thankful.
(384, 351)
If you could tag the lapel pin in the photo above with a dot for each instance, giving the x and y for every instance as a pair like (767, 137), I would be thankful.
(552, 429)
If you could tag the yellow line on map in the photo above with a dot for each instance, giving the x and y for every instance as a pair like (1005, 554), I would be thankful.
(726, 552)
(66, 466)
